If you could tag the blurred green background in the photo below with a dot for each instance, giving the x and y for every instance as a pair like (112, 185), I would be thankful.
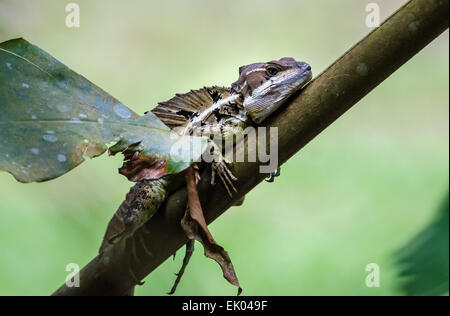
(353, 196)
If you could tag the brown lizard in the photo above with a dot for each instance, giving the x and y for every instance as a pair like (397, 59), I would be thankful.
(259, 91)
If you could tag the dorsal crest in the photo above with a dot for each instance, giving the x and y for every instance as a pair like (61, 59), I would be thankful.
(183, 109)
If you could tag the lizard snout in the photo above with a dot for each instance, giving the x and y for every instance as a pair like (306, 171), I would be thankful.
(303, 66)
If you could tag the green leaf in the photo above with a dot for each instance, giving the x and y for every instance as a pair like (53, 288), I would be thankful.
(424, 261)
(51, 118)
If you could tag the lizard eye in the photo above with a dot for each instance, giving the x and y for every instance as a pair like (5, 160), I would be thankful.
(271, 71)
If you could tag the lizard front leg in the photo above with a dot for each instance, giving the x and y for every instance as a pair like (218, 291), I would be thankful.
(219, 167)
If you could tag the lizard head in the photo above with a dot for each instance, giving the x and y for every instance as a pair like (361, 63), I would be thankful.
(265, 86)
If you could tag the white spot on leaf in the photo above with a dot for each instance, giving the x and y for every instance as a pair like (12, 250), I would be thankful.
(61, 158)
(33, 117)
(8, 65)
(100, 120)
(35, 151)
(83, 116)
(62, 108)
(122, 111)
(61, 84)
(50, 138)
(24, 85)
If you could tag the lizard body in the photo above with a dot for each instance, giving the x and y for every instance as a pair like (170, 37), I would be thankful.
(260, 90)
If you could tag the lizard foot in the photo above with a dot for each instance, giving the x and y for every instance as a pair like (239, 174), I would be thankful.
(187, 257)
(273, 175)
(226, 176)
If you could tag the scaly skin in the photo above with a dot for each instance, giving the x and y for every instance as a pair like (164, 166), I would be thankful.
(259, 91)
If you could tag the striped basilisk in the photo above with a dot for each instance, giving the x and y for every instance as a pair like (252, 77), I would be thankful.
(260, 90)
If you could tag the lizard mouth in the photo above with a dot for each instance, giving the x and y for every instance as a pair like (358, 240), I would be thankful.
(294, 80)
(299, 80)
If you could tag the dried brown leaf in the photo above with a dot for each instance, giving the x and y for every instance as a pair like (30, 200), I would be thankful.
(195, 227)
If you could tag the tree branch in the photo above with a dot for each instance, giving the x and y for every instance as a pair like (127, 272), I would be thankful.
(326, 98)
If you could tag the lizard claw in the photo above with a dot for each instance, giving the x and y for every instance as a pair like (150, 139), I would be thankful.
(273, 175)
(226, 176)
